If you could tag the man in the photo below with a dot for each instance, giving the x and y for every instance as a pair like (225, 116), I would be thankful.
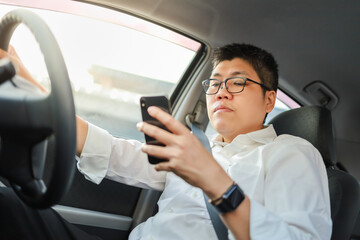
(283, 177)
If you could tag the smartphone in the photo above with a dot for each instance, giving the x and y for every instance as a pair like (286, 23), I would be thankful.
(163, 103)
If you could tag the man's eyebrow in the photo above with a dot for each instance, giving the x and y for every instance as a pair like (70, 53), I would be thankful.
(240, 73)
(216, 75)
(232, 74)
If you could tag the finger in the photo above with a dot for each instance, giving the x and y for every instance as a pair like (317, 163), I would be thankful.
(156, 151)
(11, 56)
(171, 123)
(12, 52)
(170, 166)
(3, 53)
(159, 134)
(163, 166)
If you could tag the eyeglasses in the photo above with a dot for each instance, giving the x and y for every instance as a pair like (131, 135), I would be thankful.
(233, 85)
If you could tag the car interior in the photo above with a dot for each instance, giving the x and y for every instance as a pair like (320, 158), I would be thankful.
(97, 58)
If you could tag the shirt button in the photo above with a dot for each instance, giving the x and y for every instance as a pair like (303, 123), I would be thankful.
(170, 210)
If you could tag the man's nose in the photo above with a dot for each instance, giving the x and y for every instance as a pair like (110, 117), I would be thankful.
(223, 92)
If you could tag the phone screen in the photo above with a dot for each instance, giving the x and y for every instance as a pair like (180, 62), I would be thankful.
(163, 103)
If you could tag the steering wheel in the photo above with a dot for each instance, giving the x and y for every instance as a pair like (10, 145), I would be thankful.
(29, 119)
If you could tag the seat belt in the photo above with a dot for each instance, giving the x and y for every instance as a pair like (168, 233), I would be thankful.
(219, 226)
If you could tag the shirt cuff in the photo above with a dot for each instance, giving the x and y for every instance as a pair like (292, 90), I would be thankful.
(94, 159)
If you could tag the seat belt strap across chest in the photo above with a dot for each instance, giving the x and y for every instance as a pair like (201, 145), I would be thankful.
(219, 226)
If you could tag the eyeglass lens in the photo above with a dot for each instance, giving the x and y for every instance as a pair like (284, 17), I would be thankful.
(233, 85)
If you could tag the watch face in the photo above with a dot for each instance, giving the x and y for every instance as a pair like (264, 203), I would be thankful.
(231, 199)
(236, 197)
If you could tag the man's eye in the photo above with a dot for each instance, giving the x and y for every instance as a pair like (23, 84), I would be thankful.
(214, 84)
(239, 83)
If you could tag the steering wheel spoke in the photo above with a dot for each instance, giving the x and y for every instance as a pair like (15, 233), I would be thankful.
(27, 113)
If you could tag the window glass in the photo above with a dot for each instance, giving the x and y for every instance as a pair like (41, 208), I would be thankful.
(112, 60)
(283, 103)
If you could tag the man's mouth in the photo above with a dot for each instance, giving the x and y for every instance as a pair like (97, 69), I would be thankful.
(222, 108)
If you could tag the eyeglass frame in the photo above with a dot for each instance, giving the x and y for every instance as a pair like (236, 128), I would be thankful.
(225, 81)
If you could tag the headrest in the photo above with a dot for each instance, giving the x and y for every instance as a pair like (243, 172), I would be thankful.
(311, 123)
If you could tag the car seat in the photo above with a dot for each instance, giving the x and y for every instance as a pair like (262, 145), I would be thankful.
(356, 231)
(315, 125)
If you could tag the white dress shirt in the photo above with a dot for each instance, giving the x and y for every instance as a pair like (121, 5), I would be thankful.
(283, 176)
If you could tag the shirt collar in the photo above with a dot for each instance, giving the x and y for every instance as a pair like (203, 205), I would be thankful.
(263, 136)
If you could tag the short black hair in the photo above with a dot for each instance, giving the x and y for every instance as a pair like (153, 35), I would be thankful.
(262, 61)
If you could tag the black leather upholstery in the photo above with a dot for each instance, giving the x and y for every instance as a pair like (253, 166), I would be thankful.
(315, 125)
(311, 123)
(356, 231)
(344, 197)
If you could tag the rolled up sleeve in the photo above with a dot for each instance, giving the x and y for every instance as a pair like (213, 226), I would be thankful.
(117, 159)
(94, 160)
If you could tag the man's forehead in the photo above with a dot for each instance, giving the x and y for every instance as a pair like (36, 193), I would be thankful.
(233, 67)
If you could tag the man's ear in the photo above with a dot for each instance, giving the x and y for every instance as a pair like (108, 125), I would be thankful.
(270, 98)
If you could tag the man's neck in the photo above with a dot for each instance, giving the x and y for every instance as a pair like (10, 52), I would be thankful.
(228, 138)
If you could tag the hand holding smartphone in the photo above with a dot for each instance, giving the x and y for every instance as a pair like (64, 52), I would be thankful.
(163, 103)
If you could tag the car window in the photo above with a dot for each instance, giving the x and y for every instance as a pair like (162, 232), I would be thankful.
(283, 103)
(110, 64)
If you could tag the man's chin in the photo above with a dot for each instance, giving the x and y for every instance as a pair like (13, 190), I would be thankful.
(222, 128)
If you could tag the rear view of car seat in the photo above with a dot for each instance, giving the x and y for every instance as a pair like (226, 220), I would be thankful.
(315, 125)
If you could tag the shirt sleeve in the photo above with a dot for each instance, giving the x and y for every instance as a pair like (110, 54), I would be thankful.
(117, 159)
(296, 196)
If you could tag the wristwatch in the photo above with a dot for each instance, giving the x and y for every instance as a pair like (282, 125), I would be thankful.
(230, 200)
